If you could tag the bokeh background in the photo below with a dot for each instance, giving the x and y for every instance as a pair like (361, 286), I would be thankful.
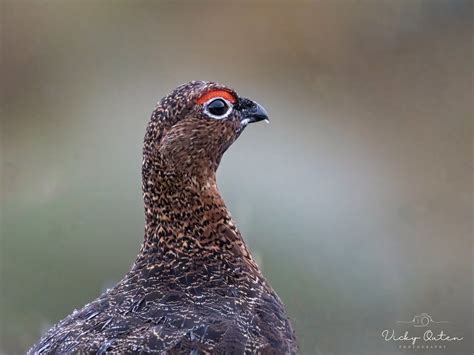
(356, 199)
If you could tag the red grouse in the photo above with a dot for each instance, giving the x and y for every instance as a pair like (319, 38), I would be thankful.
(194, 287)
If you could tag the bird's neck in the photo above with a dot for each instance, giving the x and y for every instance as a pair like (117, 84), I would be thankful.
(187, 221)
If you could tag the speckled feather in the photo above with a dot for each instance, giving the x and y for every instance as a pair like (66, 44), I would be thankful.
(194, 287)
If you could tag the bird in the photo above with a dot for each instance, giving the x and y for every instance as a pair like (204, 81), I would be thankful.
(194, 287)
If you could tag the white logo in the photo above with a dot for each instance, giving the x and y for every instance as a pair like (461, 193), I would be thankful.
(422, 320)
(413, 338)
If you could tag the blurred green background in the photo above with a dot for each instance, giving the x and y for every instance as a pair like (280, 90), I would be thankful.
(356, 200)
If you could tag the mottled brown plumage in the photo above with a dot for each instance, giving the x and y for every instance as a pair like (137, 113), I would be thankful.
(194, 287)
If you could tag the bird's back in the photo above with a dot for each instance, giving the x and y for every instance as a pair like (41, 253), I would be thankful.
(156, 312)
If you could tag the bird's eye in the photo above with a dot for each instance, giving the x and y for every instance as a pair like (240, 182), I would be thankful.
(218, 108)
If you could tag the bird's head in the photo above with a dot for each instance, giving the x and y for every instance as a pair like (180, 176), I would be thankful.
(192, 127)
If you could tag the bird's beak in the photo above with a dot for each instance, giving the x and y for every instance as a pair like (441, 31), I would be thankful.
(253, 112)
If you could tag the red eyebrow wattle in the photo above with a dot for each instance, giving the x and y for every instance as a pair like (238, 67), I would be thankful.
(217, 93)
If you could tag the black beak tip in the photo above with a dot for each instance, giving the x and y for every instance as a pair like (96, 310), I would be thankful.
(260, 114)
(256, 114)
